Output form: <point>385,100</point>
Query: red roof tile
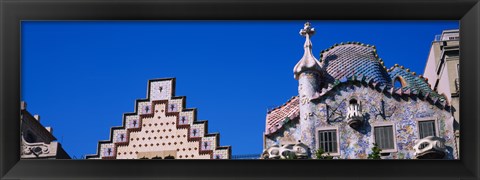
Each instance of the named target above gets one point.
<point>276,116</point>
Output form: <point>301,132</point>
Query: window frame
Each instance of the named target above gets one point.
<point>317,138</point>
<point>394,134</point>
<point>435,120</point>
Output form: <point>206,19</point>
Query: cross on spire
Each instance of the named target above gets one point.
<point>307,30</point>
<point>308,61</point>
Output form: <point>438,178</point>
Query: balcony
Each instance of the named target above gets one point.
<point>430,147</point>
<point>354,116</point>
<point>287,151</point>
<point>38,150</point>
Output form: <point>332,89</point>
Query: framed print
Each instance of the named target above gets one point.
<point>374,85</point>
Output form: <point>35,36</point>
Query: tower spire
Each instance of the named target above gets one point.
<point>307,32</point>
<point>308,61</point>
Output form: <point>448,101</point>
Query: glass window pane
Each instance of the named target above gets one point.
<point>384,137</point>
<point>328,140</point>
<point>426,128</point>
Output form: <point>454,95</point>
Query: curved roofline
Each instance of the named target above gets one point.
<point>347,43</point>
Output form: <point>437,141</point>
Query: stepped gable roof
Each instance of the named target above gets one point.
<point>353,59</point>
<point>413,84</point>
<point>278,116</point>
<point>163,94</point>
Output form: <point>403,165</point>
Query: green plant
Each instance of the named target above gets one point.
<point>375,152</point>
<point>320,153</point>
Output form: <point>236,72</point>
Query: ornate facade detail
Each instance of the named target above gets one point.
<point>354,114</point>
<point>348,127</point>
<point>162,127</point>
<point>37,141</point>
<point>287,151</point>
<point>308,61</point>
<point>430,147</point>
<point>38,149</point>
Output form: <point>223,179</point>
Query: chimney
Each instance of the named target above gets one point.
<point>37,117</point>
<point>23,105</point>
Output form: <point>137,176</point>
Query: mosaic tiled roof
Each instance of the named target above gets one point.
<point>353,58</point>
<point>278,116</point>
<point>357,62</point>
<point>414,84</point>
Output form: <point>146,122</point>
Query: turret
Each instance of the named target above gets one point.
<point>308,72</point>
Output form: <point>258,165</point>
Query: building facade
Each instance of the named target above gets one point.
<point>348,101</point>
<point>162,128</point>
<point>443,71</point>
<point>37,141</point>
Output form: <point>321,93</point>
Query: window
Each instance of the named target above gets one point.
<point>399,82</point>
<point>426,128</point>
<point>327,140</point>
<point>384,137</point>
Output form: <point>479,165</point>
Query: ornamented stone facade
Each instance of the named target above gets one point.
<point>162,128</point>
<point>37,141</point>
<point>348,100</point>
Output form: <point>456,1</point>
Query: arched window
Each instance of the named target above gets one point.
<point>399,82</point>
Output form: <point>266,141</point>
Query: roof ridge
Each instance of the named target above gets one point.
<point>347,43</point>
<point>277,107</point>
<point>392,90</point>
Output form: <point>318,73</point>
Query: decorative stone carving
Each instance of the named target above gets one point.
<point>301,150</point>
<point>38,149</point>
<point>286,151</point>
<point>308,61</point>
<point>430,147</point>
<point>354,114</point>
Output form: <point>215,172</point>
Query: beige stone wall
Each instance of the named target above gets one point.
<point>431,66</point>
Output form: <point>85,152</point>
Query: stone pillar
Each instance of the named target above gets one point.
<point>308,85</point>
<point>308,71</point>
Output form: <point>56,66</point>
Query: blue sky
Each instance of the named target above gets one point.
<point>81,76</point>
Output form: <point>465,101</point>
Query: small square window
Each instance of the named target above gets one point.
<point>426,128</point>
<point>327,140</point>
<point>384,137</point>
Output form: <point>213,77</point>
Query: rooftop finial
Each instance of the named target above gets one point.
<point>307,31</point>
<point>308,61</point>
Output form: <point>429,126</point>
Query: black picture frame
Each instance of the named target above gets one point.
<point>14,11</point>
